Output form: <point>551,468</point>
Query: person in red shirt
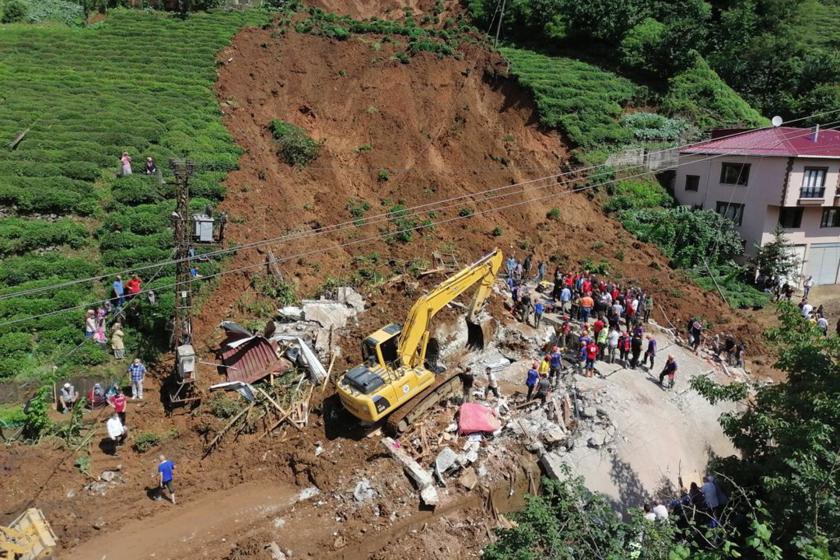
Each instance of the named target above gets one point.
<point>134,286</point>
<point>586,286</point>
<point>597,326</point>
<point>119,402</point>
<point>591,354</point>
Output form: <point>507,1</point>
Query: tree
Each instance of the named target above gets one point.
<point>14,11</point>
<point>777,258</point>
<point>789,438</point>
<point>642,46</point>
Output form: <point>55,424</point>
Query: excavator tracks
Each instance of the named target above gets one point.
<point>446,385</point>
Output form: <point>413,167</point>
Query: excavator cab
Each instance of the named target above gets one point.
<point>380,348</point>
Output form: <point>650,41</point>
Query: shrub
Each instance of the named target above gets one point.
<point>295,146</point>
<point>650,126</point>
<point>497,232</point>
<point>383,175</point>
<point>642,46</point>
<point>466,212</point>
<point>18,235</point>
<point>222,406</point>
<point>14,11</point>
<point>270,286</point>
<point>144,441</point>
<point>403,221</point>
<point>637,194</point>
<point>553,214</point>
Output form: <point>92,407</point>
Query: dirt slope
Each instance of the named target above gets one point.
<point>442,128</point>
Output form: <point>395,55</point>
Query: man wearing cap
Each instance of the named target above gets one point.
<point>67,397</point>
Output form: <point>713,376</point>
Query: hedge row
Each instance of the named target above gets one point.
<point>18,235</point>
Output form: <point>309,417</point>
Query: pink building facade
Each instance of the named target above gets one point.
<point>768,177</point>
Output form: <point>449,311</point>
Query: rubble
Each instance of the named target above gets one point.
<point>423,478</point>
<point>468,479</point>
<point>363,491</point>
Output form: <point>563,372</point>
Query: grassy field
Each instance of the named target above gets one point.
<point>138,82</point>
<point>819,24</point>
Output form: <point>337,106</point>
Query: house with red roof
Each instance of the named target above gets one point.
<point>767,177</point>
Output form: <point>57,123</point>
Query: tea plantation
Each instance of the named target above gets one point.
<point>139,82</point>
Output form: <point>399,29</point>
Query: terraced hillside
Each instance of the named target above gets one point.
<point>139,83</point>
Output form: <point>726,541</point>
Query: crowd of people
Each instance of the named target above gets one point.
<point>698,506</point>
<point>601,320</point>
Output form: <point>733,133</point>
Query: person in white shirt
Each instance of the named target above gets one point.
<point>116,431</point>
<point>807,285</point>
<point>822,324</point>
<point>806,309</point>
<point>67,397</point>
<point>661,512</point>
<point>612,343</point>
<point>649,515</point>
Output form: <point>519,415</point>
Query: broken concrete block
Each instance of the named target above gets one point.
<point>590,412</point>
<point>423,478</point>
<point>351,297</point>
<point>552,464</point>
<point>108,476</point>
<point>535,447</point>
<point>328,314</point>
<point>468,479</point>
<point>274,550</point>
<point>553,436</point>
<point>290,313</point>
<point>445,460</point>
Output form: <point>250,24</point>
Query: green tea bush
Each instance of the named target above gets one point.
<point>17,270</point>
<point>295,146</point>
<point>701,96</point>
<point>19,235</point>
<point>88,354</point>
<point>637,194</point>
<point>581,100</point>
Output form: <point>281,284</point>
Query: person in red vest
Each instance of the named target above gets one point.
<point>133,286</point>
<point>119,402</point>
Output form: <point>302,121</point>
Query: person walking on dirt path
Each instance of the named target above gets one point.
<point>669,371</point>
<point>119,402</point>
<point>807,285</point>
<point>525,304</point>
<point>555,364</point>
<point>531,380</point>
<point>492,383</point>
<point>467,382</point>
<point>539,309</point>
<point>650,353</point>
<point>566,299</point>
<point>116,432</point>
<point>118,342</point>
<point>138,373</point>
<point>125,164</point>
<point>510,266</point>
<point>612,343</point>
<point>526,266</point>
<point>165,476</point>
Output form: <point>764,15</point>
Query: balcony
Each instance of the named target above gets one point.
<point>811,196</point>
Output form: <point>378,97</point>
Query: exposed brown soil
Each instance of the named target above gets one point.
<point>443,128</point>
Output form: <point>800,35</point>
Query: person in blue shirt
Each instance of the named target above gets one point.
<point>165,469</point>
<point>555,365</point>
<point>566,299</point>
<point>119,291</point>
<point>531,380</point>
<point>539,309</point>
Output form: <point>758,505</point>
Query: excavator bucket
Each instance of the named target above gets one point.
<point>29,537</point>
<point>478,333</point>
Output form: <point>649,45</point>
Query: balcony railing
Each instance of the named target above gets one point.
<point>812,192</point>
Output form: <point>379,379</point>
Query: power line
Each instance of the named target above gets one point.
<point>378,218</point>
<point>368,239</point>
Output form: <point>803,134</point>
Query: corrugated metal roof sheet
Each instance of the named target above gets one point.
<point>253,360</point>
<point>783,141</point>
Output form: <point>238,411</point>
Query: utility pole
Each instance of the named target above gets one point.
<point>499,26</point>
<point>181,221</point>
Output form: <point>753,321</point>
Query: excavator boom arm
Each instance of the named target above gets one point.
<point>415,332</point>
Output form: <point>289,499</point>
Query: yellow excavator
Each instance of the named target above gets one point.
<point>29,537</point>
<point>394,378</point>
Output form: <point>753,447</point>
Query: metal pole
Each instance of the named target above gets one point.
<point>499,26</point>
<point>182,327</point>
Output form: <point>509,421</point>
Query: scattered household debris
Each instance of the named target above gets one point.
<point>423,478</point>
